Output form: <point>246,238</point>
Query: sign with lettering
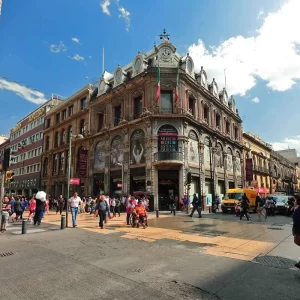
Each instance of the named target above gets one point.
<point>83,159</point>
<point>75,181</point>
<point>167,139</point>
<point>36,114</point>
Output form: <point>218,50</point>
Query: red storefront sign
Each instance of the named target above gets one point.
<point>75,181</point>
<point>83,158</point>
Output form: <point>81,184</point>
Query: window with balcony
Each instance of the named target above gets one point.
<point>83,103</point>
<point>56,139</point>
<point>63,114</point>
<point>63,137</point>
<point>117,115</point>
<point>54,163</point>
<point>100,121</point>
<point>227,127</point>
<point>137,107</point>
<point>192,106</point>
<point>206,114</point>
<point>47,143</point>
<point>218,121</point>
<point>166,102</point>
<point>70,110</point>
<point>57,118</point>
<point>82,127</point>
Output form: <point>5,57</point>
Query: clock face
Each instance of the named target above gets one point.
<point>189,66</point>
<point>102,86</point>
<point>203,79</point>
<point>165,54</point>
<point>138,64</point>
<point>215,90</point>
<point>118,75</point>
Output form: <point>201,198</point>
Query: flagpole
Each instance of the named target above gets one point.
<point>102,60</point>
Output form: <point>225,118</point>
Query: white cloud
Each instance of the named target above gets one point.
<point>289,142</point>
<point>270,55</point>
<point>255,100</point>
<point>104,5</point>
<point>260,13</point>
<point>75,39</point>
<point>25,92</point>
<point>77,57</point>
<point>125,14</point>
<point>90,57</point>
<point>58,48</point>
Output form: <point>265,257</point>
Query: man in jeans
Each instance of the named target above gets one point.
<point>74,203</point>
<point>102,209</point>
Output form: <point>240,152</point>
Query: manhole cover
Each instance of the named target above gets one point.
<point>274,228</point>
<point>275,261</point>
<point>5,254</point>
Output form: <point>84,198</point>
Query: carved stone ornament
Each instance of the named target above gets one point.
<point>165,54</point>
<point>148,164</point>
<point>91,142</point>
<point>145,112</point>
<point>124,130</point>
<point>104,128</point>
<point>123,121</point>
<point>125,166</point>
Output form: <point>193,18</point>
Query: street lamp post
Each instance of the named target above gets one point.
<point>78,136</point>
<point>121,164</point>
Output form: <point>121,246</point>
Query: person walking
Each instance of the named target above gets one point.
<point>296,225</point>
<point>117,206</point>
<point>196,206</point>
<point>18,207</point>
<point>5,213</point>
<point>245,207</point>
<point>102,209</point>
<point>74,203</point>
<point>129,208</point>
<point>39,208</point>
<point>60,204</point>
<point>113,206</point>
<point>31,208</point>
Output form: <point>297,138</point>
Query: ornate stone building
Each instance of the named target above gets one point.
<point>150,140</point>
<point>272,173</point>
<point>70,117</point>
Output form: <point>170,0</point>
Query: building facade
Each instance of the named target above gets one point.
<point>157,122</point>
<point>270,171</point>
<point>71,117</point>
<point>26,146</point>
<point>260,153</point>
<point>4,149</point>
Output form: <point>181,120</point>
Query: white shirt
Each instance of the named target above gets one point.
<point>107,201</point>
<point>75,201</point>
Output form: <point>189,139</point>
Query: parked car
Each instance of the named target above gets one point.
<point>280,201</point>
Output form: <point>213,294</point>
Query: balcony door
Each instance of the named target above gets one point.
<point>166,105</point>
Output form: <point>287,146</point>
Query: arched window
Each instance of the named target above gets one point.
<point>45,166</point>
<point>70,132</point>
<point>63,137</point>
<point>47,143</point>
<point>82,127</point>
<point>56,139</point>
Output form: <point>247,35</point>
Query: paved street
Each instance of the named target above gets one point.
<point>216,257</point>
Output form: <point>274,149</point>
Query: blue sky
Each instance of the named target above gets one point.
<point>51,46</point>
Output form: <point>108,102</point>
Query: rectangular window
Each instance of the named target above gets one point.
<point>137,107</point>
<point>83,103</point>
<point>192,104</point>
<point>35,152</point>
<point>166,102</point>
<point>57,118</point>
<point>48,123</point>
<point>64,114</point>
<point>206,114</point>
<point>34,168</point>
<point>27,169</point>
<point>100,121</point>
<point>31,168</point>
<point>117,115</point>
<point>38,167</point>
<point>71,110</point>
<point>236,133</point>
<point>218,121</point>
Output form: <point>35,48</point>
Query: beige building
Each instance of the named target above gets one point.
<point>70,117</point>
<point>260,152</point>
<point>3,138</point>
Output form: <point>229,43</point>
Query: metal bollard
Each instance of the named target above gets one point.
<point>174,211</point>
<point>157,213</point>
<point>62,222</point>
<point>24,226</point>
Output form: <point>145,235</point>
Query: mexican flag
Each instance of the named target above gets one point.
<point>158,84</point>
<point>177,84</point>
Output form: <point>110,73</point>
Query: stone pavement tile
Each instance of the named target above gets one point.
<point>286,249</point>
<point>256,248</point>
<point>262,283</point>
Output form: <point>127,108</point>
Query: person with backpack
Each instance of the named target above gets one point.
<point>245,207</point>
<point>196,206</point>
<point>102,210</point>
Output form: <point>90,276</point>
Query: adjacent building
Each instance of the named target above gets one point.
<point>26,146</point>
<point>268,171</point>
<point>160,127</point>
<point>71,117</point>
<point>4,154</point>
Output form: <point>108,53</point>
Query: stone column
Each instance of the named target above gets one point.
<point>126,162</point>
<point>225,171</point>
<point>234,171</point>
<point>202,174</point>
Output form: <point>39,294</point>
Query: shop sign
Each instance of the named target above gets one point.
<point>83,158</point>
<point>119,185</point>
<point>167,139</point>
<point>75,181</point>
<point>36,114</point>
